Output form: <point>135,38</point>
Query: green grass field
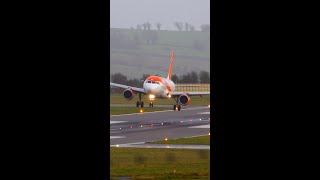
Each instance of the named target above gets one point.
<point>140,163</point>
<point>130,110</point>
<point>195,100</point>
<point>200,140</point>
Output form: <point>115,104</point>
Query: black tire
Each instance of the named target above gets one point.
<point>137,104</point>
<point>142,104</point>
<point>152,104</point>
<point>179,108</point>
<point>174,107</point>
<point>149,104</point>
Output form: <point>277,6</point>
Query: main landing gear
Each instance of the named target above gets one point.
<point>151,104</point>
<point>177,106</point>
<point>140,103</point>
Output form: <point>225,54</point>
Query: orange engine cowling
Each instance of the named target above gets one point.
<point>184,99</point>
<point>128,94</point>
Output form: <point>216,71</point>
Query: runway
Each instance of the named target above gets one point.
<point>152,126</point>
<point>165,146</point>
<point>134,105</point>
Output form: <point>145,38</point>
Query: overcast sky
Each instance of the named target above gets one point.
<point>129,13</point>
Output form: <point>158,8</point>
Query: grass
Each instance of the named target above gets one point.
<point>140,163</point>
<point>130,110</point>
<point>194,100</point>
<point>200,140</point>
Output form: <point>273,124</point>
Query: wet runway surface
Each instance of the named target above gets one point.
<point>153,126</point>
<point>134,105</point>
<point>165,146</point>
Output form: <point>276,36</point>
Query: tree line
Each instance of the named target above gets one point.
<point>191,77</point>
<point>179,25</point>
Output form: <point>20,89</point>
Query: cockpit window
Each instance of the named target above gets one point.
<point>149,82</point>
<point>158,83</point>
<point>153,82</point>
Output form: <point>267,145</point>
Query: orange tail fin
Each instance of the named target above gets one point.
<point>170,68</point>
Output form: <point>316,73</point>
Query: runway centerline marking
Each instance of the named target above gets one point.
<point>115,122</point>
<point>201,126</point>
<point>116,137</point>
<point>158,111</point>
<point>204,113</point>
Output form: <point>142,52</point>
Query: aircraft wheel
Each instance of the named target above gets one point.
<point>179,108</point>
<point>137,104</point>
<point>142,104</point>
<point>174,107</point>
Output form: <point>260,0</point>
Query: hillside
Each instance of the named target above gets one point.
<point>134,52</point>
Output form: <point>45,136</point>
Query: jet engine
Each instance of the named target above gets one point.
<point>128,94</point>
<point>184,99</point>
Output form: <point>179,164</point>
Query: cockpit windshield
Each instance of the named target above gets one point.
<point>152,82</point>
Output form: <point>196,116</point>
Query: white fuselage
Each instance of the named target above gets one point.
<point>158,86</point>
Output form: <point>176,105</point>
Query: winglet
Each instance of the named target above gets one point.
<point>170,68</point>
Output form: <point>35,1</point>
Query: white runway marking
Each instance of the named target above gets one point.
<point>201,126</point>
<point>159,111</point>
<point>204,113</point>
<point>114,122</point>
<point>115,137</point>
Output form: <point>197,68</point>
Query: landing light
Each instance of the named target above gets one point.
<point>166,139</point>
<point>209,134</point>
<point>141,111</point>
<point>151,96</point>
<point>209,105</point>
<point>169,96</point>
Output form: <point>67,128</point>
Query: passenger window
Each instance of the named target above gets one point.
<point>149,81</point>
<point>153,82</point>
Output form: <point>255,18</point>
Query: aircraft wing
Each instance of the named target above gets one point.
<point>127,87</point>
<point>190,93</point>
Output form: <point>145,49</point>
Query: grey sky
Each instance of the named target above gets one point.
<point>129,13</point>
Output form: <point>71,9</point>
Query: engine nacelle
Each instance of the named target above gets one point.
<point>184,99</point>
<point>128,94</point>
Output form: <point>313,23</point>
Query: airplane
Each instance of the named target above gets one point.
<point>159,87</point>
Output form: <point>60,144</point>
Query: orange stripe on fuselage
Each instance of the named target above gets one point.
<point>159,79</point>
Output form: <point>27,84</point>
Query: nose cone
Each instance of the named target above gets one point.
<point>151,88</point>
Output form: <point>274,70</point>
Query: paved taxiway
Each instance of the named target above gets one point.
<point>153,126</point>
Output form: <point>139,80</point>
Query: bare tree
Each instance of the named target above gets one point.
<point>148,25</point>
<point>192,28</point>
<point>205,27</point>
<point>204,77</point>
<point>175,78</point>
<point>119,78</point>
<point>178,25</point>
<point>144,26</point>
<point>158,26</point>
<point>187,26</point>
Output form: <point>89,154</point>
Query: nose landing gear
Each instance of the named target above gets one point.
<point>151,104</point>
